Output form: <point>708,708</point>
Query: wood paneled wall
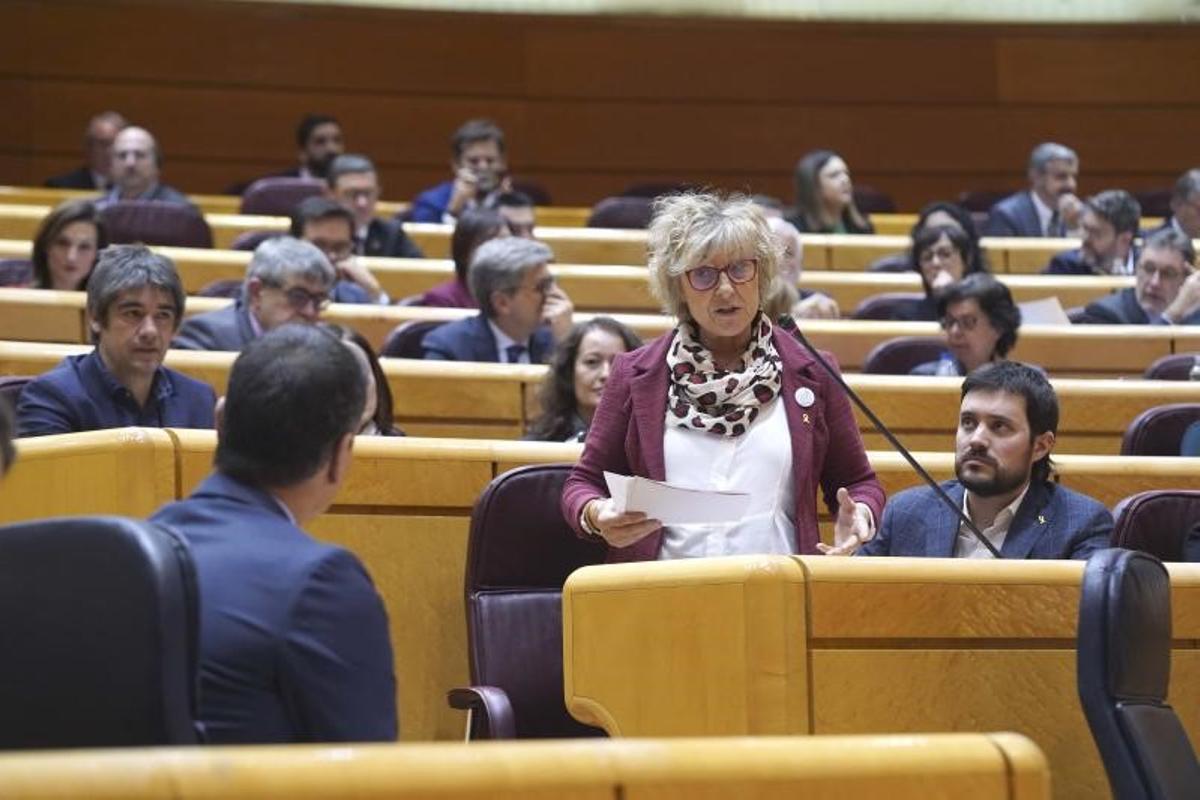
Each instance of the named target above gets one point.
<point>592,104</point>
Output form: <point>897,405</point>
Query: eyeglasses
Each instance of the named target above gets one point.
<point>705,277</point>
<point>300,299</point>
<point>940,253</point>
<point>966,322</point>
<point>542,287</point>
<point>1165,274</point>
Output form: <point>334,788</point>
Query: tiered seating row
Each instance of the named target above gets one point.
<point>405,511</point>
<point>498,401</point>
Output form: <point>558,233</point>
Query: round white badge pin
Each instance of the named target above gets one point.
<point>805,397</point>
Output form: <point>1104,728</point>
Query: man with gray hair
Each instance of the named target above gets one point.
<point>134,301</point>
<point>1049,207</point>
<point>1185,205</point>
<point>522,311</point>
<point>354,183</point>
<point>1110,222</point>
<point>288,280</point>
<point>1166,289</point>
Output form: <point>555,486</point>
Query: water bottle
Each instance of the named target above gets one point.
<point>1194,375</point>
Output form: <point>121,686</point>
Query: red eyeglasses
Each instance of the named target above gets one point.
<point>704,278</point>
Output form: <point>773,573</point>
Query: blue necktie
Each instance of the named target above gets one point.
<point>514,353</point>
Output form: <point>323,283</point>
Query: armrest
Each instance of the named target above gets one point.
<point>491,713</point>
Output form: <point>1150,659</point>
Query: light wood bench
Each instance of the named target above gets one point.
<point>985,766</point>
<point>1069,351</point>
<point>812,645</point>
<point>613,288</point>
<point>499,401</point>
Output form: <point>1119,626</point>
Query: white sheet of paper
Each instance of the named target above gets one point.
<point>1045,311</point>
<point>675,505</point>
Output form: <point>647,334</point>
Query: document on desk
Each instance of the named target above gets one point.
<point>675,505</point>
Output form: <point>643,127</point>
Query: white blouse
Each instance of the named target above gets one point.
<point>758,462</point>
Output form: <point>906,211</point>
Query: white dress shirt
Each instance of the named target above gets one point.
<point>758,462</point>
<point>967,546</point>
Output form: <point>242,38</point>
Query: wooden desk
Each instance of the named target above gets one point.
<point>812,645</point>
<point>980,766</point>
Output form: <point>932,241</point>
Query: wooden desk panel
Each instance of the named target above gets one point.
<point>801,646</point>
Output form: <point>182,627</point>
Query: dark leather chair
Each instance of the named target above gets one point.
<point>16,272</point>
<point>889,305</point>
<point>156,222</point>
<point>405,339</point>
<point>98,630</point>
<point>279,195</point>
<point>536,192</point>
<point>250,240</point>
<point>225,287</point>
<point>519,554</point>
<point>1155,202</point>
<point>10,388</point>
<point>1123,664</point>
<point>982,200</point>
<point>621,212</point>
<point>896,262</point>
<point>1159,522</point>
<point>1176,367</point>
<point>898,356</point>
<point>870,200</point>
<point>1159,431</point>
<point>652,189</point>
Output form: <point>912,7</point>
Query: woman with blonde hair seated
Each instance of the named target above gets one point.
<point>725,402</point>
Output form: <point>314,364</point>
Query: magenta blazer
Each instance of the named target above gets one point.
<point>626,436</point>
<point>449,294</point>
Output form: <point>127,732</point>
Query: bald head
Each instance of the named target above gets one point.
<point>791,263</point>
<point>135,162</point>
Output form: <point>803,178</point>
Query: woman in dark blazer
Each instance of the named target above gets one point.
<point>725,401</point>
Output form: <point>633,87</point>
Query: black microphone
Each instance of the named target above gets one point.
<point>788,324</point>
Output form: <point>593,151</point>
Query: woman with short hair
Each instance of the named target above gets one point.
<point>724,402</point>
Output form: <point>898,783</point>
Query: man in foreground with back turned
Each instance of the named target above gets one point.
<point>1006,432</point>
<point>294,643</point>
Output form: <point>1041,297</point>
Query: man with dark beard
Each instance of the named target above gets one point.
<point>1006,430</point>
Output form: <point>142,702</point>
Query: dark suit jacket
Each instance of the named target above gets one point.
<point>628,428</point>
<point>294,643</point>
<point>1051,522</point>
<point>471,339</point>
<point>226,328</point>
<point>159,191</point>
<point>1071,262</point>
<point>1015,215</point>
<point>80,178</point>
<point>387,238</point>
<point>431,204</point>
<point>80,394</point>
<point>1121,308</point>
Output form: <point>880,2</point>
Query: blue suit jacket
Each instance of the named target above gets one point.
<point>1015,215</point>
<point>430,205</point>
<point>80,394</point>
<point>1122,308</point>
<point>226,328</point>
<point>471,339</point>
<point>1070,262</point>
<point>294,642</point>
<point>1051,522</point>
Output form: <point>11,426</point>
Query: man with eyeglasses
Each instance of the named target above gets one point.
<point>287,281</point>
<point>354,183</point>
<point>327,224</point>
<point>522,311</point>
<point>96,171</point>
<point>1166,289</point>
